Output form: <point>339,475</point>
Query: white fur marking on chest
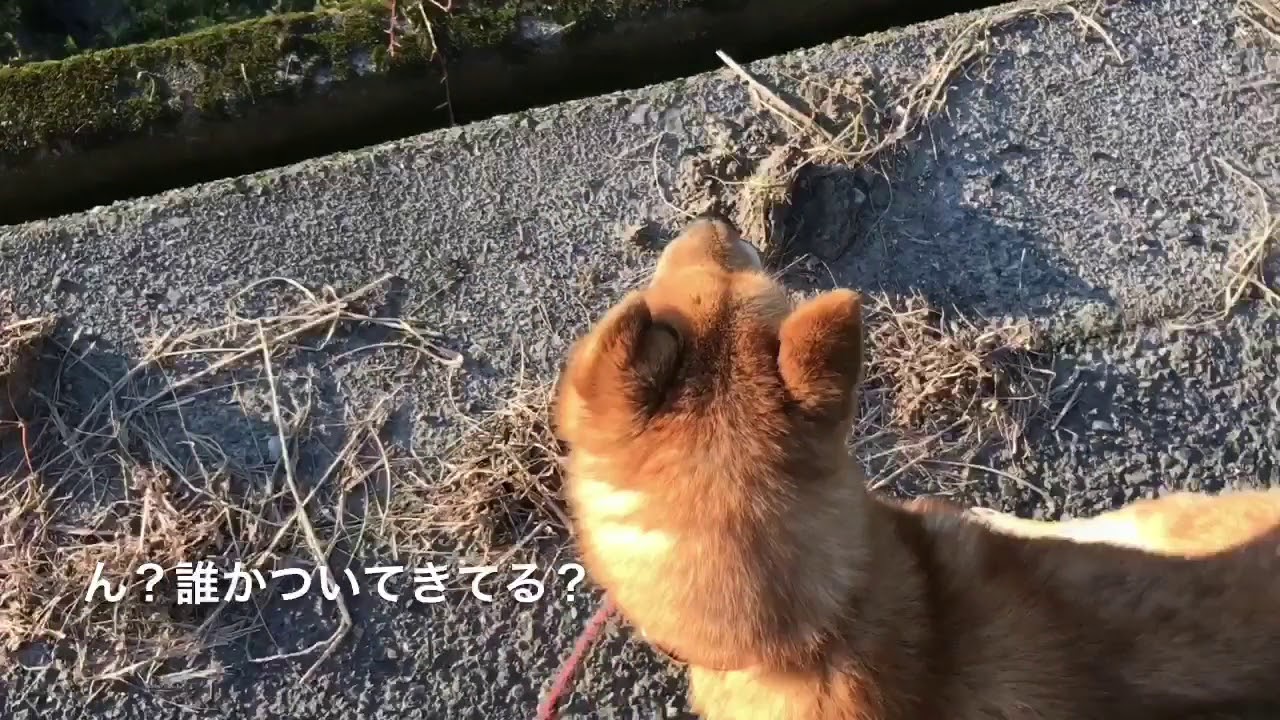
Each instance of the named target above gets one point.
<point>631,540</point>
<point>606,509</point>
<point>603,500</point>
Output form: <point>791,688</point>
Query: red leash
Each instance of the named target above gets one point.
<point>561,686</point>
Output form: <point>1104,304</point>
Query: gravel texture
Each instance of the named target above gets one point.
<point>1059,184</point>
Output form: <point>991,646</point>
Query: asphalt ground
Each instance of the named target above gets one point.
<point>1075,181</point>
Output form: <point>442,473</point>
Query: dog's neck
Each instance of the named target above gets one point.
<point>715,588</point>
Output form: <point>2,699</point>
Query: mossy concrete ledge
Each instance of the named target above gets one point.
<point>133,120</point>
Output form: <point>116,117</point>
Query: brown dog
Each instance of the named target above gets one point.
<point>715,501</point>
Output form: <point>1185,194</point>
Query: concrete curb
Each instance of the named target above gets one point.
<point>110,124</point>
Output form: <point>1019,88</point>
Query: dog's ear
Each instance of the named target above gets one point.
<point>820,354</point>
<point>621,371</point>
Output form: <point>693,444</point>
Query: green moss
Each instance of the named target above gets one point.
<point>469,23</point>
<point>145,20</point>
<point>34,30</point>
<point>95,97</point>
<point>99,95</point>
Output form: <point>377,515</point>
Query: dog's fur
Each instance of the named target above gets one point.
<point>1188,525</point>
<point>715,501</point>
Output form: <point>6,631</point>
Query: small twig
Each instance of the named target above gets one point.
<point>186,676</point>
<point>26,448</point>
<point>248,84</point>
<point>983,468</point>
<point>510,553</point>
<point>1071,401</point>
<point>293,653</point>
<point>801,121</point>
<point>445,8</point>
<point>1090,23</point>
<point>304,520</point>
<point>881,482</point>
<point>1251,269</point>
<point>391,31</point>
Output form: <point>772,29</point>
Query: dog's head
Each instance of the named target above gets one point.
<point>713,341</point>
<point>708,475</point>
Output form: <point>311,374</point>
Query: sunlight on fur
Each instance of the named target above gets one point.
<point>714,499</point>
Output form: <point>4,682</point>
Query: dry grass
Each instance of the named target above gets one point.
<point>846,127</point>
<point>49,549</point>
<point>496,489</point>
<point>1263,15</point>
<point>868,131</point>
<point>1247,263</point>
<point>47,560</point>
<point>764,200</point>
<point>940,390</point>
<point>854,130</point>
<point>21,341</point>
<point>1246,276</point>
<point>125,481</point>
